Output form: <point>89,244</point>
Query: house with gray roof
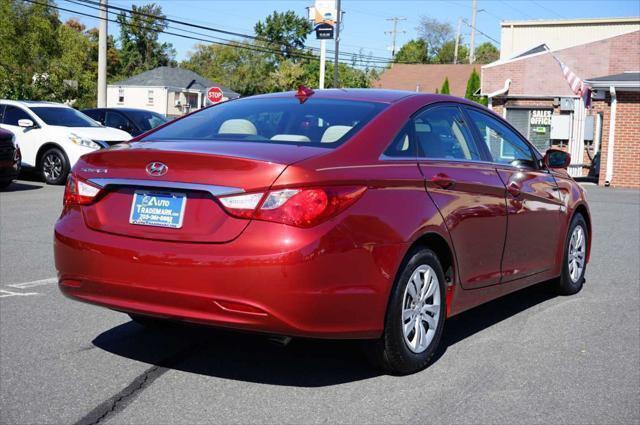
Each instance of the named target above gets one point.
<point>166,90</point>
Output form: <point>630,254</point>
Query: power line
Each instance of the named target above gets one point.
<point>547,9</point>
<point>475,28</point>
<point>94,4</point>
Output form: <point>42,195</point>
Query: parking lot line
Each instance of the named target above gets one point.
<point>4,293</point>
<point>34,283</point>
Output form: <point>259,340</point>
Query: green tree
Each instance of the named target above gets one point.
<point>445,86</point>
<point>236,66</point>
<point>446,53</point>
<point>473,85</point>
<point>487,53</point>
<point>413,51</point>
<point>140,49</point>
<point>286,32</point>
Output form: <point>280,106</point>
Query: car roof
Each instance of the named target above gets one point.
<point>32,103</point>
<point>369,95</point>
<point>118,109</point>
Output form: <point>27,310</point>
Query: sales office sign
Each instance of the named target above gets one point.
<point>540,117</point>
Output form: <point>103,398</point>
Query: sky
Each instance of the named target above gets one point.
<point>365,22</point>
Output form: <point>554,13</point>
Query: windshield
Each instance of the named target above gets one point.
<point>64,117</point>
<point>146,120</point>
<point>315,122</point>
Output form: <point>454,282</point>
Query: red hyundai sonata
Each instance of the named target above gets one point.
<point>364,214</point>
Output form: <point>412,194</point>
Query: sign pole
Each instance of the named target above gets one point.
<point>336,75</point>
<point>323,58</point>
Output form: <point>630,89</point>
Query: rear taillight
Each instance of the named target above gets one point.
<point>79,192</point>
<point>304,207</point>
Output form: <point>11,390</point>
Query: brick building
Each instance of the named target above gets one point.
<point>531,92</point>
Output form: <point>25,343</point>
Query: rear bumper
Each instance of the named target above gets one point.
<point>273,278</point>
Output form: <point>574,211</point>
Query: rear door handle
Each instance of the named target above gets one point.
<point>443,180</point>
<point>514,189</point>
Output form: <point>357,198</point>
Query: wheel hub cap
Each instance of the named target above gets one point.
<point>421,309</point>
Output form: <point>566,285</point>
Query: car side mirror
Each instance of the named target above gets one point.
<point>25,123</point>
<point>555,158</point>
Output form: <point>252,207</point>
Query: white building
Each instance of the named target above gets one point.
<point>166,90</point>
<point>517,37</point>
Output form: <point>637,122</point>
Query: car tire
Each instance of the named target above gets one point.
<point>395,352</point>
<point>148,321</point>
<point>54,167</point>
<point>574,263</point>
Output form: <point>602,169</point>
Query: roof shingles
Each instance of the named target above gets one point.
<point>166,76</point>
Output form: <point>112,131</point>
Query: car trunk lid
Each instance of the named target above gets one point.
<point>199,172</point>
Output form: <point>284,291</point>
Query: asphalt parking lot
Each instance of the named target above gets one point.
<point>528,358</point>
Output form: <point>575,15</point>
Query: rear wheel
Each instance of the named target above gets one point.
<point>415,317</point>
<point>575,258</point>
<point>54,166</point>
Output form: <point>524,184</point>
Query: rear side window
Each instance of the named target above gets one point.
<point>505,145</point>
<point>13,114</point>
<point>315,122</point>
<point>441,133</point>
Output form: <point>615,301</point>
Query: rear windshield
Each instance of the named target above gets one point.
<point>65,117</point>
<point>316,122</point>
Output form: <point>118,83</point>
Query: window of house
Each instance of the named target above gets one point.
<point>120,95</point>
<point>150,97</point>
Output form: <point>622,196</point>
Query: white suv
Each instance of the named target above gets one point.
<point>53,136</point>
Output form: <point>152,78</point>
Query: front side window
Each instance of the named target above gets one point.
<point>505,146</point>
<point>13,114</point>
<point>146,120</point>
<point>63,117</point>
<point>441,133</point>
<point>315,122</point>
<point>116,120</point>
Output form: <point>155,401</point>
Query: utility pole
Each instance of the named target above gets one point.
<point>472,39</point>
<point>336,76</point>
<point>455,52</point>
<point>393,33</point>
<point>323,58</point>
<point>102,56</point>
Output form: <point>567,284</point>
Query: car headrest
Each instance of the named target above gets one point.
<point>334,133</point>
<point>290,138</point>
<point>238,126</point>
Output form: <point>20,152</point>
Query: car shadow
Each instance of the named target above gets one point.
<point>302,363</point>
<point>21,186</point>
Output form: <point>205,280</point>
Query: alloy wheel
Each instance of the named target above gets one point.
<point>577,251</point>
<point>421,308</point>
<point>52,166</point>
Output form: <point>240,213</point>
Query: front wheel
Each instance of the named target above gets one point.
<point>54,166</point>
<point>415,317</point>
<point>574,264</point>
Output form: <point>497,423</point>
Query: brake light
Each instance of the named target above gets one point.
<point>79,192</point>
<point>305,207</point>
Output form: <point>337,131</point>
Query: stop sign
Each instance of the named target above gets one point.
<point>214,94</point>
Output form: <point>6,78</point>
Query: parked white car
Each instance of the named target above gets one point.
<point>53,136</point>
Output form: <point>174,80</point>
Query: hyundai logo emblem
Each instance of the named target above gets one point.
<point>157,169</point>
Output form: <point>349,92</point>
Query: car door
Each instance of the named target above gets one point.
<point>29,139</point>
<point>466,189</point>
<point>119,121</point>
<point>533,199</point>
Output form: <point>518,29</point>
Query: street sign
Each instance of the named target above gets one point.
<point>324,31</point>
<point>214,94</point>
